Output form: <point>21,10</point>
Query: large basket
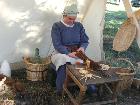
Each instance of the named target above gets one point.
<point>126,74</point>
<point>36,72</point>
<point>124,36</point>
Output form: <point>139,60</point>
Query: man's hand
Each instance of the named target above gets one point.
<point>81,49</point>
<point>72,55</point>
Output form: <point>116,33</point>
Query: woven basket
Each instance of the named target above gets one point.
<point>126,74</point>
<point>36,72</point>
<point>124,36</point>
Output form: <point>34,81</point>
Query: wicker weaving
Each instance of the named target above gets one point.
<point>124,36</point>
<point>126,74</point>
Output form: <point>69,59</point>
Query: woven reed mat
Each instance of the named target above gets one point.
<point>124,36</point>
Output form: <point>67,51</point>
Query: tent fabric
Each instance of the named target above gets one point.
<point>26,25</point>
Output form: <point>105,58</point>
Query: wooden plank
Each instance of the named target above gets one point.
<point>82,87</point>
<point>101,80</point>
<point>130,12</point>
<point>128,8</point>
<point>108,88</point>
<point>70,96</point>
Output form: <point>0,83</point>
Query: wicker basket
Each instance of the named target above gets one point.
<point>124,36</point>
<point>36,72</point>
<point>126,74</point>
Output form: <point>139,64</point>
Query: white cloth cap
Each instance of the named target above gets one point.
<point>71,10</point>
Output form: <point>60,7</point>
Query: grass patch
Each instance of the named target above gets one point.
<point>113,20</point>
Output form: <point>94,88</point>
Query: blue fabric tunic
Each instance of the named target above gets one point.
<point>63,36</point>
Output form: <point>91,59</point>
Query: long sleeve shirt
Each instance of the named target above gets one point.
<point>63,36</point>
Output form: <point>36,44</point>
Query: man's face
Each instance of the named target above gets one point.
<point>69,19</point>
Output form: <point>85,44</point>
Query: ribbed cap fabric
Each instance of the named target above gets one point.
<point>71,10</point>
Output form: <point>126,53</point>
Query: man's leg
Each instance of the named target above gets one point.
<point>61,75</point>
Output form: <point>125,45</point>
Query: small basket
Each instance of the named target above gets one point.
<point>36,72</point>
<point>126,74</point>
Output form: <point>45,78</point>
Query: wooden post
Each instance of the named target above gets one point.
<point>130,14</point>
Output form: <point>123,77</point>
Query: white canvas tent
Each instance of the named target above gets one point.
<point>26,24</point>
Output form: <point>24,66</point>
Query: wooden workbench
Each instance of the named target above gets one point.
<point>73,74</point>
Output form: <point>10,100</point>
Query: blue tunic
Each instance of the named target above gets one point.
<point>63,36</point>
